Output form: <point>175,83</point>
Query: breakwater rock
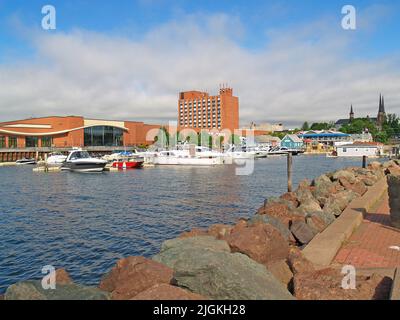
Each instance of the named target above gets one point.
<point>256,258</point>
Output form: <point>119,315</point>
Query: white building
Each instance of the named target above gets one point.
<point>359,150</point>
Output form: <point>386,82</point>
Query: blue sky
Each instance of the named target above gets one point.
<point>252,29</point>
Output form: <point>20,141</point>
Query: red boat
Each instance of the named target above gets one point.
<point>129,164</point>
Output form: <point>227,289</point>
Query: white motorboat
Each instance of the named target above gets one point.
<point>174,157</point>
<point>56,158</point>
<point>81,161</point>
<point>25,161</point>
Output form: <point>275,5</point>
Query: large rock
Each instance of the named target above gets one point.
<point>133,275</point>
<point>32,290</point>
<point>261,242</point>
<point>394,199</point>
<point>316,223</point>
<point>177,249</point>
<point>276,223</point>
<point>167,292</point>
<point>281,271</point>
<point>358,186</point>
<point>327,285</point>
<point>225,276</point>
<point>336,203</point>
<point>322,186</point>
<point>302,232</point>
<point>281,212</point>
<point>347,174</point>
<point>298,263</point>
<point>290,198</point>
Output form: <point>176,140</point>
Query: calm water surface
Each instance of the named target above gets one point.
<point>85,222</point>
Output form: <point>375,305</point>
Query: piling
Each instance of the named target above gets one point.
<point>364,162</point>
<point>289,171</point>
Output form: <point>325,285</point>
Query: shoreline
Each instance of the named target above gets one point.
<point>271,243</point>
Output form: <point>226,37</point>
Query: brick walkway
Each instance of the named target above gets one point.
<point>369,246</point>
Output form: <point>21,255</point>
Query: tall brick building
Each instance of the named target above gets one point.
<point>198,110</point>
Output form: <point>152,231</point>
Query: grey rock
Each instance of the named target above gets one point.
<point>302,232</point>
<point>336,203</point>
<point>176,249</point>
<point>347,174</point>
<point>226,276</point>
<point>32,290</point>
<point>394,199</point>
<point>327,217</point>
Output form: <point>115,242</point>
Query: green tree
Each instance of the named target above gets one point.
<point>305,126</point>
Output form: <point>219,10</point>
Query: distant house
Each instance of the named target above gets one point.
<point>292,141</point>
<point>359,149</point>
<point>326,137</point>
<point>267,140</point>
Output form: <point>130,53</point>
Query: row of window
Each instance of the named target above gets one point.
<point>30,142</point>
<point>199,101</point>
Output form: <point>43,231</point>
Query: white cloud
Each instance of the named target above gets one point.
<point>307,73</point>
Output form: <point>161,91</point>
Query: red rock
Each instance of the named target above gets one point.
<point>62,277</point>
<point>282,213</point>
<point>133,275</point>
<point>281,271</point>
<point>327,285</point>
<point>358,187</point>
<point>291,197</point>
<point>240,224</point>
<point>220,231</point>
<point>298,263</point>
<point>193,233</point>
<point>261,242</point>
<point>167,292</point>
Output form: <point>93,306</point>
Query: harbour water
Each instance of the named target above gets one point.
<point>85,222</point>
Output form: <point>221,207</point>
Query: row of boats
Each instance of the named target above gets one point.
<point>81,161</point>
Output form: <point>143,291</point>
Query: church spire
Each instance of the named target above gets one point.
<point>351,113</point>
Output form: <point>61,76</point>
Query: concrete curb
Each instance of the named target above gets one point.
<point>325,245</point>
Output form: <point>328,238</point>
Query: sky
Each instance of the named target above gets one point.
<point>288,61</point>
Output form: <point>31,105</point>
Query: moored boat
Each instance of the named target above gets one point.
<point>81,161</point>
<point>25,161</point>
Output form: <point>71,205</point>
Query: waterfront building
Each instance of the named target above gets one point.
<point>267,140</point>
<point>359,149</point>
<point>72,131</point>
<point>199,111</point>
<point>292,141</point>
<point>325,137</point>
<point>379,120</point>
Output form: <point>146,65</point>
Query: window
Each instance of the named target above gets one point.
<point>103,136</point>
<point>12,142</point>
<point>31,142</point>
<point>2,142</point>
<point>46,142</point>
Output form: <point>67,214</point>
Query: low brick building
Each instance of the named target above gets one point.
<point>73,131</point>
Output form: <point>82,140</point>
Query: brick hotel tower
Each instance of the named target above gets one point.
<point>198,110</point>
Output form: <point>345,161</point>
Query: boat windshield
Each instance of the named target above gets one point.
<point>80,155</point>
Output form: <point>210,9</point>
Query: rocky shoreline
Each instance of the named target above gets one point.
<point>257,258</point>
